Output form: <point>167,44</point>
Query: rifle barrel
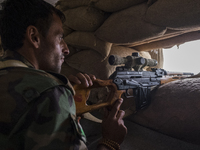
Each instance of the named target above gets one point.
<point>178,73</point>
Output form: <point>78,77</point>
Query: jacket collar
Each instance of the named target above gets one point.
<point>13,55</point>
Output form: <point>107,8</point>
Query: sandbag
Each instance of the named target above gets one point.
<point>127,26</point>
<point>157,54</point>
<point>174,110</point>
<point>88,61</point>
<point>177,14</point>
<point>115,5</point>
<point>67,30</point>
<point>67,70</point>
<point>68,4</point>
<point>87,40</point>
<point>150,2</point>
<point>84,18</point>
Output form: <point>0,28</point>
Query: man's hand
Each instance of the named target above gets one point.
<point>113,127</point>
<point>84,79</point>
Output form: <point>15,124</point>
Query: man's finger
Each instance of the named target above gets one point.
<point>92,77</point>
<point>115,108</point>
<point>82,79</point>
<point>120,114</point>
<point>89,80</point>
<point>74,79</point>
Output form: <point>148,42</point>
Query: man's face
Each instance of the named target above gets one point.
<point>53,48</point>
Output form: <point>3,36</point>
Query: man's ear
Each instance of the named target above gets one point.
<point>33,36</point>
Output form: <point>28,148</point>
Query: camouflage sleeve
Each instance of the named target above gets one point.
<point>50,123</point>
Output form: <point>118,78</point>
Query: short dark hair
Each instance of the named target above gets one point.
<point>17,15</point>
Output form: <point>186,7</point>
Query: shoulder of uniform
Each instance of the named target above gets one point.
<point>38,74</point>
<point>34,82</point>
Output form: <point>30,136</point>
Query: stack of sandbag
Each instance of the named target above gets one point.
<point>177,15</point>
<point>96,29</point>
<point>128,26</point>
<point>181,17</point>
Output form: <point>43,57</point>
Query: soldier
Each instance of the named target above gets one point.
<point>37,110</point>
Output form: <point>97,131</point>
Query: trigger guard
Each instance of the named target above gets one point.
<point>127,95</point>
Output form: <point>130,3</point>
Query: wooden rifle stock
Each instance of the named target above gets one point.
<point>82,95</point>
<point>167,79</point>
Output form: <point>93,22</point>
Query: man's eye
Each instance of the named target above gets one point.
<point>61,37</point>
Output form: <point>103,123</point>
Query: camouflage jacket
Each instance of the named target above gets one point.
<point>37,110</point>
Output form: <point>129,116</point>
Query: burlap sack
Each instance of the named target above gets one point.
<point>67,30</point>
<point>128,26</point>
<point>87,40</point>
<point>88,61</point>
<point>150,2</point>
<point>177,14</point>
<point>68,4</point>
<point>157,54</point>
<point>84,18</point>
<point>67,70</point>
<point>177,107</point>
<point>115,5</point>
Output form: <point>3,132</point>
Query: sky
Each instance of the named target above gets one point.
<point>186,58</point>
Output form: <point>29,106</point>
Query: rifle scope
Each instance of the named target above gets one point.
<point>131,61</point>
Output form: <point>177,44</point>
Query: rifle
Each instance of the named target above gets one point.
<point>129,76</point>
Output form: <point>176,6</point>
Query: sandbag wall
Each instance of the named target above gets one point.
<point>96,29</point>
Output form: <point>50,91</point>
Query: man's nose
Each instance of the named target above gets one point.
<point>65,49</point>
